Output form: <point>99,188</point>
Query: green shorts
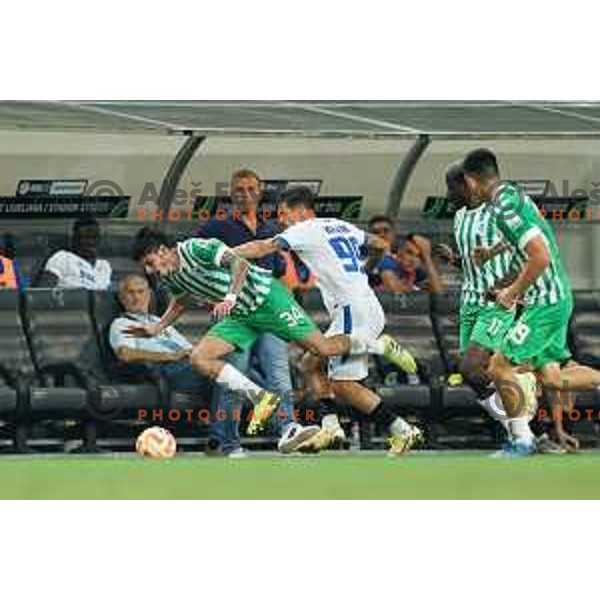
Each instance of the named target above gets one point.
<point>539,336</point>
<point>279,314</point>
<point>484,326</point>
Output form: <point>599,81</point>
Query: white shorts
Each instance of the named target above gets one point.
<point>363,316</point>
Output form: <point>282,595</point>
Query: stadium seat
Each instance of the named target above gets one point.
<point>65,349</point>
<point>444,311</point>
<point>585,340</point>
<point>585,328</point>
<point>124,391</point>
<point>16,368</point>
<point>55,322</point>
<point>408,319</point>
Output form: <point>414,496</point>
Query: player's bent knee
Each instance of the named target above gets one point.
<point>553,380</point>
<point>342,387</point>
<point>474,368</point>
<point>200,361</point>
<point>310,363</point>
<point>497,366</point>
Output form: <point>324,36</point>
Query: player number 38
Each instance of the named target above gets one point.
<point>292,316</point>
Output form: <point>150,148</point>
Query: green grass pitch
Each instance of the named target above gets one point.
<point>331,476</point>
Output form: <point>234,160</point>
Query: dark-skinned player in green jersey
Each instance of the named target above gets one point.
<point>538,337</point>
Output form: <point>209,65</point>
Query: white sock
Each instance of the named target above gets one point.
<point>237,382</point>
<point>375,346</point>
<point>330,422</point>
<point>520,431</point>
<point>399,426</point>
<point>493,407</point>
<point>361,345</point>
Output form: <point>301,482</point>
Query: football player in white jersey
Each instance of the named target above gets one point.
<point>334,251</point>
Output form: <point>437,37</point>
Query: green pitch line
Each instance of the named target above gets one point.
<point>443,476</point>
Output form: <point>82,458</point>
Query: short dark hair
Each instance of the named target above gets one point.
<point>380,219</point>
<point>147,240</point>
<point>297,196</point>
<point>87,221</point>
<point>455,180</point>
<point>481,162</point>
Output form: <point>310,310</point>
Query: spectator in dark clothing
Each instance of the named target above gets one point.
<point>240,230</point>
<point>382,226</point>
<point>405,266</point>
<point>243,224</point>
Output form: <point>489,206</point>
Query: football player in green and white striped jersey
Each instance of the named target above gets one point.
<point>486,265</point>
<point>247,301</point>
<point>538,337</point>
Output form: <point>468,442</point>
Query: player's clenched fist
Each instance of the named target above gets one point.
<point>223,309</point>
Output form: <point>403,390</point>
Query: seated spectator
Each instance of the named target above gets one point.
<point>383,227</point>
<point>168,353</point>
<point>10,271</point>
<point>411,267</point>
<point>79,267</point>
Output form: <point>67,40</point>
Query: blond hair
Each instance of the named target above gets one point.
<point>245,173</point>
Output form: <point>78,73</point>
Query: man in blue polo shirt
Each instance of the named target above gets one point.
<point>244,224</point>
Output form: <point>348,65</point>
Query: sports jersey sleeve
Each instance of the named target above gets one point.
<point>297,238</point>
<point>517,219</point>
<point>205,251</point>
<point>175,290</point>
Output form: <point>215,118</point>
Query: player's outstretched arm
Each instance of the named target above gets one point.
<point>538,259</point>
<point>257,249</point>
<point>239,268</point>
<point>176,308</point>
<point>136,355</point>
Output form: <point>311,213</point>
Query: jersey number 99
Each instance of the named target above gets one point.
<point>348,251</point>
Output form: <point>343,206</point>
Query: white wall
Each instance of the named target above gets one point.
<point>349,167</point>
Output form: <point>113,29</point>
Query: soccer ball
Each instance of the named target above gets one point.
<point>156,442</point>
